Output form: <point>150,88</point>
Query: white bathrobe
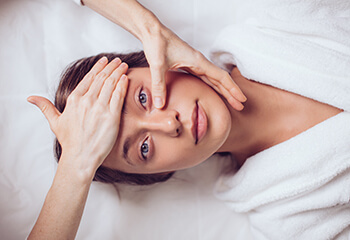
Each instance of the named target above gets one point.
<point>298,189</point>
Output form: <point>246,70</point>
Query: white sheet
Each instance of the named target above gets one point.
<point>38,39</point>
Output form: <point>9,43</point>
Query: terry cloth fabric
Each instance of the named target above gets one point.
<point>304,49</point>
<point>298,189</point>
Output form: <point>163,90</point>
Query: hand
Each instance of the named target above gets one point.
<point>89,125</point>
<point>166,51</point>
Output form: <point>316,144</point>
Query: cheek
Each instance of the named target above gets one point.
<point>176,154</point>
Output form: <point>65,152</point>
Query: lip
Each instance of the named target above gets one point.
<point>199,123</point>
<point>194,122</point>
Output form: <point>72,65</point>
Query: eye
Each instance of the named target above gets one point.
<point>145,149</point>
<point>143,98</point>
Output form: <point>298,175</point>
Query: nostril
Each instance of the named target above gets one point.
<point>177,130</point>
<point>177,117</point>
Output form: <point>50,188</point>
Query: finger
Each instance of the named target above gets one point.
<point>235,103</point>
<point>118,96</point>
<point>47,108</point>
<point>85,83</point>
<point>235,91</point>
<point>227,82</point>
<point>221,77</point>
<point>158,86</point>
<point>231,100</point>
<point>97,83</point>
<point>111,82</point>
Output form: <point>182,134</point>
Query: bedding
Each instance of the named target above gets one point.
<point>39,39</point>
<point>300,188</point>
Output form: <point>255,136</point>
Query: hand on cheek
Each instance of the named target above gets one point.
<point>166,51</point>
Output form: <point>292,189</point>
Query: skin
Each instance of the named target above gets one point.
<point>271,116</point>
<point>168,130</point>
<point>90,133</point>
<point>87,130</point>
<point>166,51</point>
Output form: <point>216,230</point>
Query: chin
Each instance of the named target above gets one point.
<point>221,136</point>
<point>220,127</point>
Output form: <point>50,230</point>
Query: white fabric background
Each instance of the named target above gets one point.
<point>38,39</point>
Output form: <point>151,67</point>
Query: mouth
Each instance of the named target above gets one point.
<point>199,123</point>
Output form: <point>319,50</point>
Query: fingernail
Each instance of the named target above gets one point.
<point>241,107</point>
<point>123,77</point>
<point>103,60</point>
<point>116,60</point>
<point>238,95</point>
<point>123,65</point>
<point>30,100</point>
<point>158,102</point>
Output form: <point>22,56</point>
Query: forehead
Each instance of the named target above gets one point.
<point>139,75</point>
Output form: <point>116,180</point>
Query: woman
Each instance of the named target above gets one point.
<point>197,116</point>
<point>270,118</point>
<point>165,50</point>
<point>150,143</point>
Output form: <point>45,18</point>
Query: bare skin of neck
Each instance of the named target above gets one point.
<point>270,116</point>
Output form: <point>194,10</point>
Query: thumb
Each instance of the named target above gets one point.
<point>158,86</point>
<point>47,108</point>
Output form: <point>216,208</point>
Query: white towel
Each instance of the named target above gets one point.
<point>298,46</point>
<point>298,189</point>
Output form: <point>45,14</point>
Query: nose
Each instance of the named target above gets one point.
<point>166,122</point>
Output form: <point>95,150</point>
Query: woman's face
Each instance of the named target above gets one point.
<point>192,126</point>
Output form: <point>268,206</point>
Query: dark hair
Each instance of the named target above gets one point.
<point>70,78</point>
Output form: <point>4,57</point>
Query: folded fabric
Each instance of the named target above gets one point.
<point>306,53</point>
<point>79,2</point>
<point>298,189</point>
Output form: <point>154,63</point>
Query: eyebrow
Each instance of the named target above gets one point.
<point>127,141</point>
<point>124,110</point>
<point>126,147</point>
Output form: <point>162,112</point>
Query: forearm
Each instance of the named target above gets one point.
<point>129,14</point>
<point>64,204</point>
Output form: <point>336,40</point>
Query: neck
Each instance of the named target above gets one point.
<point>258,125</point>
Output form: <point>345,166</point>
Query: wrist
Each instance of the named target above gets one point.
<point>149,28</point>
<point>77,168</point>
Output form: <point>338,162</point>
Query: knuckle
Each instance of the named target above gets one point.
<point>158,65</point>
<point>118,96</point>
<point>86,101</point>
<point>72,98</point>
<point>90,75</point>
<point>158,87</point>
<point>110,80</point>
<point>44,109</point>
<point>99,107</point>
<point>225,77</point>
<point>198,56</point>
<point>120,91</point>
<point>215,82</point>
<point>102,75</point>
